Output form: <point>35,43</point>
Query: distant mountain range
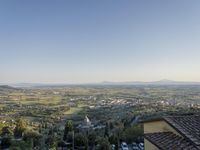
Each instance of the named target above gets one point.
<point>21,85</point>
<point>7,88</point>
<point>160,82</point>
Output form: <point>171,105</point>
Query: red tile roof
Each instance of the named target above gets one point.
<point>169,141</point>
<point>188,126</point>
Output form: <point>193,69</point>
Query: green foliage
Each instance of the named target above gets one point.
<point>33,137</point>
<point>5,142</point>
<point>92,138</point>
<point>19,128</point>
<point>132,133</point>
<point>103,144</point>
<point>68,128</point>
<point>113,139</point>
<point>20,145</point>
<point>69,137</point>
<point>81,140</point>
<point>61,143</point>
<point>106,133</point>
<point>50,141</point>
<point>6,131</point>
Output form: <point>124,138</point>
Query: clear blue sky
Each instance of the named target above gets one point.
<point>78,41</point>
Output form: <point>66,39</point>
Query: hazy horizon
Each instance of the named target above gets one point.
<point>94,41</point>
<point>134,82</point>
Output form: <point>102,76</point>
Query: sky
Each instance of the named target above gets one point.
<point>84,41</point>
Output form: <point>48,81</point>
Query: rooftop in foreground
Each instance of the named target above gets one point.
<point>173,132</point>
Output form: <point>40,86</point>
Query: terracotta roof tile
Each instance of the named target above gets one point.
<point>188,126</point>
<point>169,141</point>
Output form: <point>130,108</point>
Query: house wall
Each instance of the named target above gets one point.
<point>157,126</point>
<point>149,146</point>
